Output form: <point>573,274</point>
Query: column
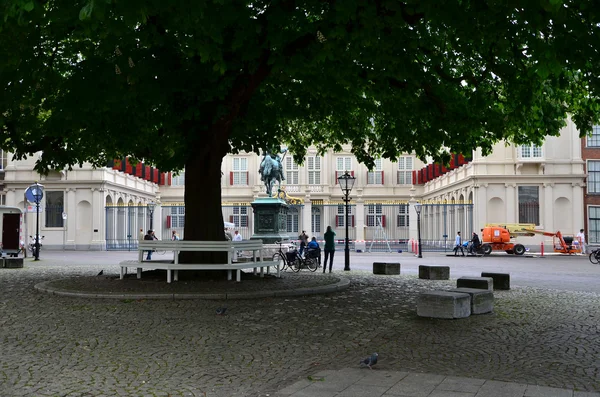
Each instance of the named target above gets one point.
<point>98,220</point>
<point>70,224</point>
<point>547,203</point>
<point>578,204</point>
<point>306,219</point>
<point>359,223</point>
<point>511,200</point>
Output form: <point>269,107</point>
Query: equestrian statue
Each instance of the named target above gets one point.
<point>271,169</point>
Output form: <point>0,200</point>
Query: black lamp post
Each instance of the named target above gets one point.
<point>37,192</point>
<point>418,210</point>
<point>151,206</point>
<point>346,182</point>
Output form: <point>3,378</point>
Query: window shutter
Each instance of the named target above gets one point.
<point>231,177</point>
<point>231,218</point>
<point>382,177</point>
<point>352,173</point>
<point>247,180</point>
<point>168,222</point>
<point>170,178</point>
<point>382,220</point>
<point>352,216</point>
<point>337,221</point>
<point>368,181</point>
<point>336,179</point>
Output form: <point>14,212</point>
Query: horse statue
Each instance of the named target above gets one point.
<point>271,170</point>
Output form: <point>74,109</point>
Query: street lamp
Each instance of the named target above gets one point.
<point>418,210</point>
<point>36,192</point>
<point>346,182</point>
<point>151,206</point>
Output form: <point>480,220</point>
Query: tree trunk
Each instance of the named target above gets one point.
<point>203,216</point>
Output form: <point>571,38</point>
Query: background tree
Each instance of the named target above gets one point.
<point>181,83</point>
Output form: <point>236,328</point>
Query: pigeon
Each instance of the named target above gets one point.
<point>369,361</point>
<point>101,273</point>
<point>221,311</point>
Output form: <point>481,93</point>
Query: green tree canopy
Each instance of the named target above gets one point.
<point>181,83</point>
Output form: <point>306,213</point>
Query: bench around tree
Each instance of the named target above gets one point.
<point>254,261</point>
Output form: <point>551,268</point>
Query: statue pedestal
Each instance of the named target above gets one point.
<point>270,220</point>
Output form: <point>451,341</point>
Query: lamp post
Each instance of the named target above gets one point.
<point>151,206</point>
<point>418,210</point>
<point>346,182</point>
<point>36,191</point>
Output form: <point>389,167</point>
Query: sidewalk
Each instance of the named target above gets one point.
<point>378,383</point>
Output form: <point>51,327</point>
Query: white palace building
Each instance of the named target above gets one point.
<point>105,208</point>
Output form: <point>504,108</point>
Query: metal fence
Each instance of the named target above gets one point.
<point>123,225</point>
<point>440,222</point>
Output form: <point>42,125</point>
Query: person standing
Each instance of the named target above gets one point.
<point>141,236</point>
<point>303,237</point>
<point>458,245</point>
<point>174,236</point>
<point>236,237</point>
<point>581,238</point>
<point>149,236</point>
<point>329,248</point>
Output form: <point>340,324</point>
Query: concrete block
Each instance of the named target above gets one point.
<point>428,272</point>
<point>501,280</point>
<point>476,282</point>
<point>482,300</point>
<point>444,304</point>
<point>13,263</point>
<point>386,268</point>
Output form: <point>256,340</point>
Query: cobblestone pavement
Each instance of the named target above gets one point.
<point>64,346</point>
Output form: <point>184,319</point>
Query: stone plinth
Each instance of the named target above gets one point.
<point>270,220</point>
<point>482,300</point>
<point>428,272</point>
<point>444,304</point>
<point>501,280</point>
<point>12,263</point>
<point>386,268</point>
<point>475,282</point>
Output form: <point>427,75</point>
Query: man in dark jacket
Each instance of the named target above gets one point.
<point>475,243</point>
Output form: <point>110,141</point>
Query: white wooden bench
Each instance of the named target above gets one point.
<point>255,261</point>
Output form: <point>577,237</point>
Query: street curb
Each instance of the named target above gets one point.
<point>340,285</point>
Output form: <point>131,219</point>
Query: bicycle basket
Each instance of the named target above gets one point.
<point>290,256</point>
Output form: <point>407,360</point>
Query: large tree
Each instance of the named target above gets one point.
<point>181,83</point>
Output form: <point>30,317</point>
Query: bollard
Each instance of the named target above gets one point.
<point>542,244</point>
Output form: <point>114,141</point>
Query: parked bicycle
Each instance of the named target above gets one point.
<point>595,256</point>
<point>294,261</point>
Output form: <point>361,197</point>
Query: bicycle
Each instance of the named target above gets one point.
<point>294,261</point>
<point>595,256</point>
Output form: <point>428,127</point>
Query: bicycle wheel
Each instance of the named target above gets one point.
<point>312,264</point>
<point>278,257</point>
<point>296,265</point>
<point>594,257</point>
<point>160,252</point>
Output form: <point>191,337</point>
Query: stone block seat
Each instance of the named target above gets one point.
<point>482,300</point>
<point>386,268</point>
<point>444,304</point>
<point>429,272</point>
<point>475,282</point>
<point>501,280</point>
<point>12,263</point>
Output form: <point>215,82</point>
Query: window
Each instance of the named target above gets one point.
<point>530,151</point>
<point>178,180</point>
<point>315,220</point>
<point>403,217</point>
<point>529,204</point>
<point>594,225</point>
<point>375,177</point>
<point>375,215</point>
<point>239,175</point>
<point>177,217</point>
<point>3,159</point>
<point>293,221</point>
<point>405,167</point>
<point>239,217</point>
<point>314,170</point>
<point>340,218</point>
<point>343,164</point>
<point>54,208</point>
<point>594,139</point>
<point>593,178</point>
<point>291,171</point>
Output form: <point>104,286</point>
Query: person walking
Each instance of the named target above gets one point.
<point>329,248</point>
<point>581,238</point>
<point>458,245</point>
<point>174,236</point>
